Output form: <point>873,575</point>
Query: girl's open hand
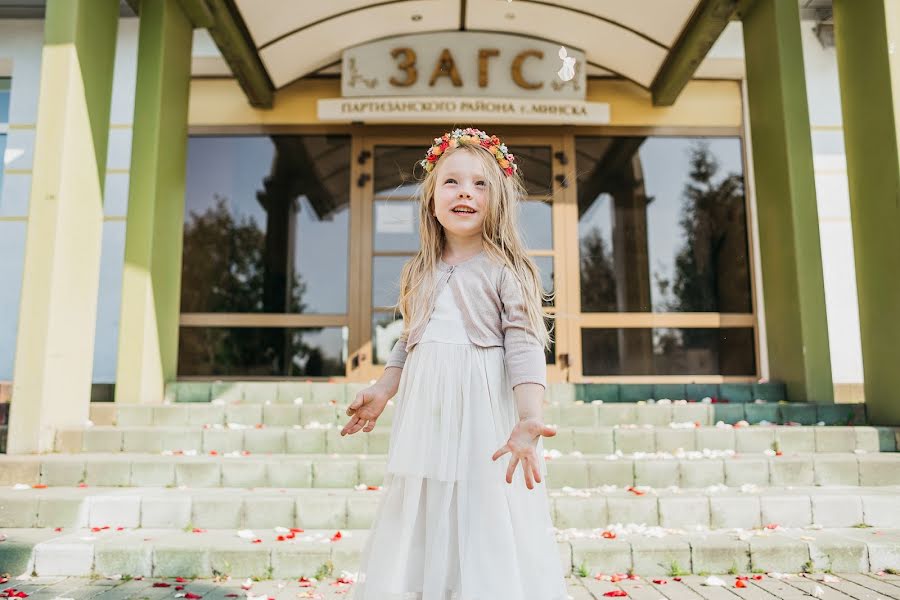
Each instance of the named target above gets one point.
<point>366,408</point>
<point>521,444</point>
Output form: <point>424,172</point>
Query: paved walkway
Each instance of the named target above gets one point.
<point>856,586</point>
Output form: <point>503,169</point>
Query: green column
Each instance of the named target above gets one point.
<point>793,289</point>
<point>869,69</point>
<point>151,282</point>
<point>55,340</point>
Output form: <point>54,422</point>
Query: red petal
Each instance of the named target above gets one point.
<point>161,584</point>
<point>280,538</point>
<point>120,529</point>
<point>615,594</point>
<point>192,596</point>
<point>57,530</point>
<point>336,536</point>
<point>39,486</point>
<point>213,452</point>
<point>772,526</point>
<point>610,535</point>
<point>231,596</point>
<point>257,542</point>
<point>178,588</point>
<point>677,578</point>
<point>198,530</point>
<point>660,581</point>
<point>740,583</point>
<point>295,530</point>
<point>757,577</point>
<point>82,485</point>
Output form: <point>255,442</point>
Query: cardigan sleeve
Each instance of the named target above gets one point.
<point>397,357</point>
<point>523,352</point>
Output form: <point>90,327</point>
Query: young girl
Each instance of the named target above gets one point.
<point>469,374</point>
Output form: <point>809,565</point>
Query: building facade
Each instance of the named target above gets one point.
<point>206,191</point>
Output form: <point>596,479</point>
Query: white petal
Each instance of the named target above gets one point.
<point>562,52</point>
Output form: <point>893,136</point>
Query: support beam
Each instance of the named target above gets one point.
<point>793,287</point>
<point>151,281</point>
<point>57,315</point>
<point>704,28</point>
<point>869,69</point>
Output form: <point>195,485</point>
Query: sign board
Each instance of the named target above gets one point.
<point>460,63</point>
<point>462,111</point>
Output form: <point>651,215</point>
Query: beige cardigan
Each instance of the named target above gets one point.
<point>492,304</point>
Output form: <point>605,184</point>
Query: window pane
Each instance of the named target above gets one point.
<point>394,176</point>
<point>536,167</point>
<point>668,351</point>
<point>545,266</point>
<point>267,224</point>
<point>4,99</point>
<point>536,225</point>
<point>262,351</point>
<point>662,225</point>
<point>386,279</point>
<point>12,251</point>
<point>386,330</point>
<point>396,225</point>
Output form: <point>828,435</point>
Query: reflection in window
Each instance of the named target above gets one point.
<point>662,225</point>
<point>262,351</point>
<point>386,329</point>
<point>668,351</point>
<point>536,225</point>
<point>266,224</point>
<point>4,121</point>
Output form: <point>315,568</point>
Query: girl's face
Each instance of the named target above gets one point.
<point>460,194</point>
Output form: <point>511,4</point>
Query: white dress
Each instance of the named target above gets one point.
<point>448,526</point>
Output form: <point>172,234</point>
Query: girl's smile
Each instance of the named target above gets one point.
<point>460,195</point>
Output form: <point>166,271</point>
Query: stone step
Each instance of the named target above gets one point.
<point>174,553</point>
<point>689,469</point>
<point>296,439</point>
<point>715,508</point>
<point>568,413</point>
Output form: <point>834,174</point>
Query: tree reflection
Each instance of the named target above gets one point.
<point>224,270</point>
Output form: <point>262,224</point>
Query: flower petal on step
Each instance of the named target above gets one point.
<point>615,594</point>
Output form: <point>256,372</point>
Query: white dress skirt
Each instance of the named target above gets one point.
<point>448,526</point>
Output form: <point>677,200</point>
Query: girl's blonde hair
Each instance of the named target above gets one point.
<point>500,235</point>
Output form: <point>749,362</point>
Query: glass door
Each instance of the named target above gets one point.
<point>389,236</point>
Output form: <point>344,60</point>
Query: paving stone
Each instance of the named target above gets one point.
<point>267,512</point>
<point>95,439</point>
<point>671,440</point>
<point>656,473</point>
<point>206,414</point>
<point>580,512</point>
<point>192,391</point>
<point>753,439</point>
<point>837,553</point>
<point>152,473</point>
<point>879,469</point>
<point>832,510</point>
<point>298,560</point>
<point>795,439</point>
<point>561,392</point>
<point>835,439</point>
<point>778,553</point>
<point>216,512</point>
<point>174,558</point>
<point>242,474</point>
<point>141,440</point>
<point>281,415</point>
<point>181,438</point>
<point>756,413</point>
<point>170,415</point>
<point>64,555</point>
<point>222,440</point>
<point>610,472</point>
<point>715,438</point>
<point>250,561</point>
<point>805,414</point>
<point>654,414</point>
<point>21,511</point>
<point>317,413</point>
<point>124,554</point>
<point>361,510</point>
<point>577,415</point>
<point>56,473</point>
<point>562,472</point>
<point>786,510</point>
<point>70,511</point>
<point>616,414</point>
<point>659,556</point>
<point>635,392</point>
<point>259,392</point>
<point>165,512</point>
<point>339,473</point>
<point>599,440</point>
<point>133,415</point>
<point>633,509</point>
<point>728,511</point>
<point>562,441</point>
<point>771,391</point>
<point>687,513</point>
<point>728,413</point>
<point>328,511</point>
<point>264,441</point>
<point>881,510</point>
<point>867,439</point>
<point>605,392</point>
<point>746,469</point>
<point>228,391</point>
<point>198,474</point>
<point>296,473</point>
<point>630,441</point>
<point>605,556</point>
<point>305,441</point>
<point>670,391</point>
<point>347,444</point>
<point>288,392</point>
<point>244,414</point>
<point>70,440</point>
<point>99,472</point>
<point>699,391</point>
<point>115,511</point>
<point>693,412</point>
<point>836,469</point>
<point>835,414</point>
<point>719,554</point>
<point>701,473</point>
<point>791,470</point>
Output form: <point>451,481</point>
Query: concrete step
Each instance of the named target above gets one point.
<point>644,552</point>
<point>595,439</point>
<point>322,409</point>
<point>688,469</point>
<point>714,508</point>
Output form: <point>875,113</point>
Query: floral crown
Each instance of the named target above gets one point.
<point>471,137</point>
